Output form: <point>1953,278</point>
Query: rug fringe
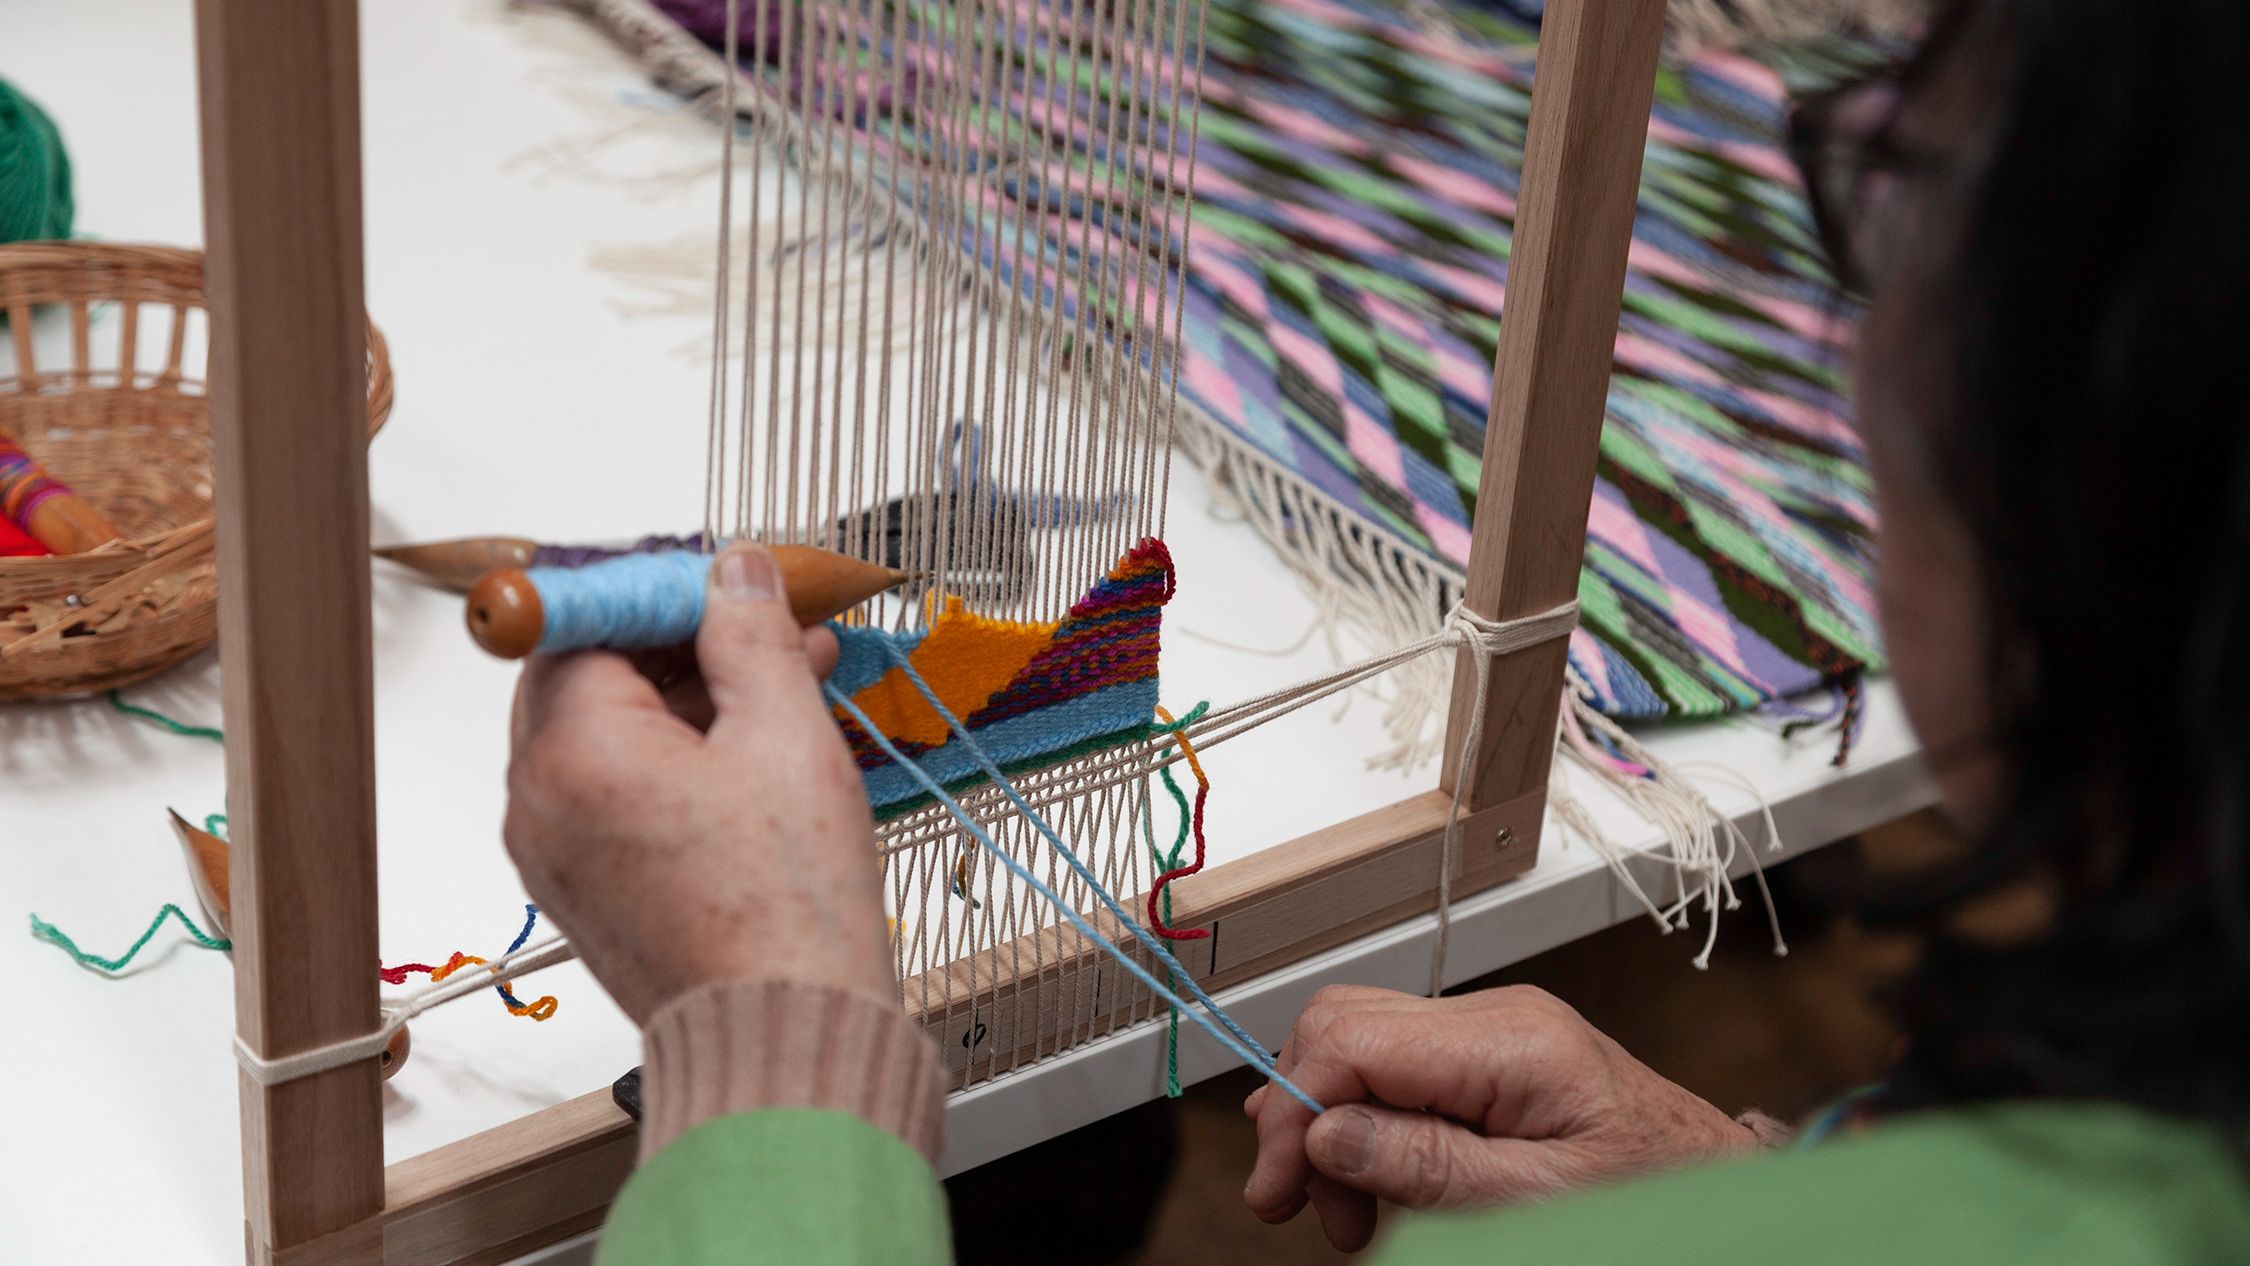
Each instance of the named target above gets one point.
<point>1370,586</point>
<point>1701,843</point>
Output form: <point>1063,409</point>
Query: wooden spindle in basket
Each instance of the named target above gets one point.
<point>44,506</point>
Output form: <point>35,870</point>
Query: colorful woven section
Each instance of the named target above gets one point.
<point>1031,694</point>
<point>1355,203</point>
<point>1357,167</point>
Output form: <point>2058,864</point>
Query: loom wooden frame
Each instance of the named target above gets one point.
<point>279,89</point>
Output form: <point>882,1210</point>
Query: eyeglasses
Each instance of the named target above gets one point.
<point>1843,142</point>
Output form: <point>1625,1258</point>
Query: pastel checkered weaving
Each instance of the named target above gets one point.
<point>1356,192</point>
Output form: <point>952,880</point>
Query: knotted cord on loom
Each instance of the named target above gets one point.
<point>396,1013</point>
<point>540,1009</point>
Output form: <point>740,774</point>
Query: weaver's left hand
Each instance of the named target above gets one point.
<point>1449,1103</point>
<point>726,838</point>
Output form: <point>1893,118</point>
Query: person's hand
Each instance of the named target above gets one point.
<point>724,838</point>
<point>1457,1102</point>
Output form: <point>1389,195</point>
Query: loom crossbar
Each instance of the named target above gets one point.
<point>279,89</point>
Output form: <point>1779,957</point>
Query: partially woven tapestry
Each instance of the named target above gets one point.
<point>1355,167</point>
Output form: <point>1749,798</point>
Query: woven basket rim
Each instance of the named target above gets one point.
<point>80,257</point>
<point>166,564</point>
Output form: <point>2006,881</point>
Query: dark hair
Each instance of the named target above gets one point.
<point>2091,427</point>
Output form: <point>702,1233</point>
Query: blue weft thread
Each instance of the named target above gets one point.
<point>632,602</point>
<point>530,920</point>
<point>1233,1037</point>
<point>1008,789</point>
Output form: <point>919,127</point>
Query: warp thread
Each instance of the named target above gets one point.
<point>35,201</point>
<point>1212,1019</point>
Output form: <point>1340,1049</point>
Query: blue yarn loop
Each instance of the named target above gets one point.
<point>530,920</point>
<point>632,602</point>
<point>1226,1032</point>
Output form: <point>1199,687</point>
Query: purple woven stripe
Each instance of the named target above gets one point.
<point>580,555</point>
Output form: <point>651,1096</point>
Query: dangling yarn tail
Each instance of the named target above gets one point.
<point>46,931</point>
<point>168,724</point>
<point>1846,714</point>
<point>1159,895</point>
<point>1160,918</point>
<point>541,1009</point>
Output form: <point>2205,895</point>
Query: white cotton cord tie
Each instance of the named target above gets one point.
<point>396,1013</point>
<point>1484,639</point>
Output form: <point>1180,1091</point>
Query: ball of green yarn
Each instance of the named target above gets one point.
<point>34,171</point>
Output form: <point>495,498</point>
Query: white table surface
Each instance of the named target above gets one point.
<point>532,401</point>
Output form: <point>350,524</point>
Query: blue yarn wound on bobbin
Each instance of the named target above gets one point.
<point>633,602</point>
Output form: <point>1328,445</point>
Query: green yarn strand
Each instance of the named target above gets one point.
<point>48,932</point>
<point>1165,863</point>
<point>35,198</point>
<point>1180,723</point>
<point>165,723</point>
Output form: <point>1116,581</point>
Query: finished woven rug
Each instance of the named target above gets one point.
<point>1356,167</point>
<point>1359,166</point>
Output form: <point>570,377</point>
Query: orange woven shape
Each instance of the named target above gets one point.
<point>106,390</point>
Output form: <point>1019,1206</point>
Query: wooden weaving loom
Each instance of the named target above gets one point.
<point>279,87</point>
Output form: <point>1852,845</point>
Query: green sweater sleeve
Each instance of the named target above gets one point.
<point>807,1186</point>
<point>2050,1185</point>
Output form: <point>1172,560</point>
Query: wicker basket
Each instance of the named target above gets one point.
<point>130,431</point>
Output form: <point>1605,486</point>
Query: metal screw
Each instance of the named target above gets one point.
<point>1505,838</point>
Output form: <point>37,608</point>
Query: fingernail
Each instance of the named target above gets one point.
<point>745,571</point>
<point>1353,1138</point>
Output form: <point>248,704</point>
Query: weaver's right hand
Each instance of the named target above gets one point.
<point>685,846</point>
<point>1450,1103</point>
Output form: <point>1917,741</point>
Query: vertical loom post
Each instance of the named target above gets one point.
<point>279,88</point>
<point>1590,103</point>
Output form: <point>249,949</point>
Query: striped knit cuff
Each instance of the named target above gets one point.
<point>737,1046</point>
